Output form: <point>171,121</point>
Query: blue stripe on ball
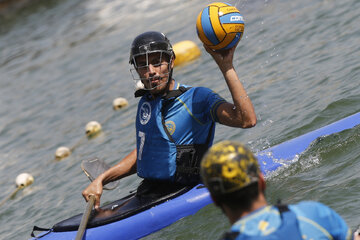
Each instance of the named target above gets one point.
<point>236,17</point>
<point>207,27</point>
<point>234,41</point>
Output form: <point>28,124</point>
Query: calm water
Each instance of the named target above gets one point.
<point>63,62</point>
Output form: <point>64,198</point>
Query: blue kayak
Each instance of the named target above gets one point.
<point>129,218</point>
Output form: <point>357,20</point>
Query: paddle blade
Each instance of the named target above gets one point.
<point>94,167</point>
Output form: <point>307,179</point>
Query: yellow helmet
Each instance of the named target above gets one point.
<point>227,167</point>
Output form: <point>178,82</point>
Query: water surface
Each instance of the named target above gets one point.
<point>63,62</point>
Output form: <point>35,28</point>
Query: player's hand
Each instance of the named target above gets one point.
<point>223,58</point>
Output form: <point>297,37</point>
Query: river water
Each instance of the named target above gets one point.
<point>63,62</point>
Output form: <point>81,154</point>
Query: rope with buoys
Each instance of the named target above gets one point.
<point>22,181</point>
<point>185,51</point>
<point>92,130</point>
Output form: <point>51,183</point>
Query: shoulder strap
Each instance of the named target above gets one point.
<point>170,97</point>
<point>230,236</point>
<point>177,92</point>
<point>140,92</point>
<point>282,207</point>
<point>172,94</point>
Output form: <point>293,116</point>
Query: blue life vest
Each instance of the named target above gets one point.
<point>158,157</point>
<point>288,230</point>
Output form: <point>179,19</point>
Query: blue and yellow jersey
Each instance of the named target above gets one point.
<point>188,118</point>
<point>314,221</point>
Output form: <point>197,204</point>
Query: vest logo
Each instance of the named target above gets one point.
<point>170,125</point>
<point>145,113</point>
<point>236,18</point>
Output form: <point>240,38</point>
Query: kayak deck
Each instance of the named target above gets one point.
<point>117,210</point>
<point>135,226</point>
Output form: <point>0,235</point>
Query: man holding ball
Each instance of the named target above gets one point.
<point>175,124</point>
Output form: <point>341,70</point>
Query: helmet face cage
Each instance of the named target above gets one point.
<point>144,66</point>
<point>151,42</point>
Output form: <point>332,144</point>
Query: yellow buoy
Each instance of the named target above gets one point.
<point>92,129</point>
<point>119,103</point>
<point>24,180</point>
<point>62,152</point>
<point>185,51</point>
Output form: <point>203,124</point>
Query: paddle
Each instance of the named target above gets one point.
<point>85,218</point>
<point>94,167</point>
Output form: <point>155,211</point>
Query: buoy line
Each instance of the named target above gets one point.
<point>185,51</point>
<point>92,130</point>
<point>120,103</point>
<point>23,180</point>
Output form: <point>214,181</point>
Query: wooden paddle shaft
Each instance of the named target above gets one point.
<point>85,218</point>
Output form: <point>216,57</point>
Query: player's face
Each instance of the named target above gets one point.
<point>153,70</point>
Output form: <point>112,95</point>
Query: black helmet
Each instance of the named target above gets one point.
<point>150,42</point>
